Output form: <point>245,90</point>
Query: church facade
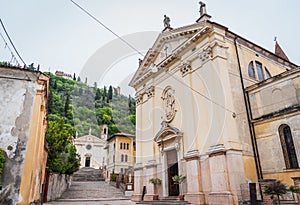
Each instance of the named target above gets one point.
<point>194,92</point>
<point>91,149</point>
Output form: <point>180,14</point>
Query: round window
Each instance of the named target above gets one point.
<point>89,147</point>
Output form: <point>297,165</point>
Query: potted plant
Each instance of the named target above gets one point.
<point>179,180</point>
<point>155,182</point>
<point>276,188</point>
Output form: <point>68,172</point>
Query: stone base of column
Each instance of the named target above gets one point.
<point>195,198</point>
<point>136,197</point>
<point>224,198</point>
<point>148,197</point>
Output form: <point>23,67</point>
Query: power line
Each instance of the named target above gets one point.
<point>12,42</point>
<point>102,24</point>
<point>7,46</point>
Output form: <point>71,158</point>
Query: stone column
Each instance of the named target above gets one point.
<point>297,185</point>
<point>138,185</point>
<point>194,193</point>
<point>220,192</point>
<point>266,198</point>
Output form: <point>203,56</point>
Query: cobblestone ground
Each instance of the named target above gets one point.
<point>92,193</point>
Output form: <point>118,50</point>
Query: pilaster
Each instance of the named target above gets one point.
<point>193,174</point>
<point>138,185</point>
<point>220,191</point>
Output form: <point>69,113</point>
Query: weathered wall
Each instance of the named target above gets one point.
<point>23,96</point>
<point>58,184</point>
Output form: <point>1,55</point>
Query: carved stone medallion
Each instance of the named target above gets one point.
<point>169,103</point>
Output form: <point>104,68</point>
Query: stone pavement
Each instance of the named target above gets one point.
<point>92,193</point>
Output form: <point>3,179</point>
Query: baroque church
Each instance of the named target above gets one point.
<point>216,108</point>
<point>91,149</point>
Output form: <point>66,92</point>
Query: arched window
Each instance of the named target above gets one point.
<point>121,145</point>
<point>257,71</point>
<point>122,158</point>
<point>127,146</point>
<point>104,131</point>
<point>268,75</point>
<point>251,72</point>
<point>288,147</point>
<point>126,158</point>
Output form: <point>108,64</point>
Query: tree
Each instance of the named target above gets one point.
<point>2,160</point>
<point>104,93</point>
<point>67,105</point>
<point>98,94</point>
<point>275,188</point>
<point>110,93</point>
<point>73,160</point>
<point>58,137</point>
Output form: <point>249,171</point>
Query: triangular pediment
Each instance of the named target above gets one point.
<point>89,139</point>
<point>167,46</point>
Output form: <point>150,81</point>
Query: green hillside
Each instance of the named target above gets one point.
<point>84,107</point>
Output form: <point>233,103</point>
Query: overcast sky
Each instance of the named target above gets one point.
<point>59,36</point>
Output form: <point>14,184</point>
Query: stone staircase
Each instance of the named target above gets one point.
<point>164,202</point>
<point>88,174</point>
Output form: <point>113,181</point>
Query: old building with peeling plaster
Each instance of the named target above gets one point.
<point>23,122</point>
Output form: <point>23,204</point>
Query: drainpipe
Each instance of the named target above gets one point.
<point>249,118</point>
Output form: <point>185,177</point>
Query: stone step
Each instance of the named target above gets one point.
<point>88,174</point>
<point>165,201</point>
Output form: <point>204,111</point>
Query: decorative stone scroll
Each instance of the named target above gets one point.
<point>185,68</point>
<point>206,54</point>
<point>150,92</point>
<point>139,99</point>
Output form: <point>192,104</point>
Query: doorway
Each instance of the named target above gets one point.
<point>172,171</point>
<point>87,162</point>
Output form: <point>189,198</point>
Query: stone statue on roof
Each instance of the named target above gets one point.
<point>167,21</point>
<point>202,8</point>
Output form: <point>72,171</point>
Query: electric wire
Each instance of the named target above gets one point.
<point>7,46</point>
<point>107,28</point>
<point>12,43</point>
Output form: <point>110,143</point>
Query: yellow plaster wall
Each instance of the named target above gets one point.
<point>34,162</point>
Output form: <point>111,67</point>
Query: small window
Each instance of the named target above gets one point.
<point>126,158</point>
<point>251,72</point>
<point>121,145</point>
<point>122,158</point>
<point>288,147</point>
<point>127,146</point>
